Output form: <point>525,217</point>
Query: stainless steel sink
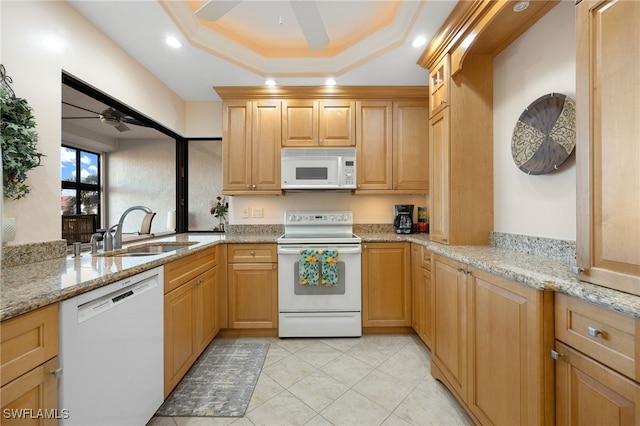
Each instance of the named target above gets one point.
<point>149,249</point>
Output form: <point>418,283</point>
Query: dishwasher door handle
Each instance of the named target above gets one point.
<point>297,249</point>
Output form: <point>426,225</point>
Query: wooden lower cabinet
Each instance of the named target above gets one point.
<point>29,368</point>
<point>252,279</point>
<point>491,345</point>
<point>589,393</point>
<point>510,336</point>
<point>32,399</point>
<point>253,295</point>
<point>422,294</point>
<point>449,351</point>
<point>386,285</point>
<point>191,318</point>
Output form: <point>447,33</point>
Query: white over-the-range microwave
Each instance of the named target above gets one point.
<point>318,168</point>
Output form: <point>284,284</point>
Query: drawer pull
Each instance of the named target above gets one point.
<point>56,373</point>
<point>252,253</point>
<point>594,332</point>
<point>556,355</point>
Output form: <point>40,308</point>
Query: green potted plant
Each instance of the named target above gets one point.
<point>18,140</point>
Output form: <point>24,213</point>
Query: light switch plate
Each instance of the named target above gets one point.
<point>245,212</point>
<point>257,212</point>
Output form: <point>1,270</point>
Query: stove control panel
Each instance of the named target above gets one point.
<point>318,218</point>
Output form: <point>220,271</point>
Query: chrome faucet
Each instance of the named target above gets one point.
<point>117,239</point>
<point>94,242</point>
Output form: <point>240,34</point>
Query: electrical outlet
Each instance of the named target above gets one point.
<point>245,212</point>
<point>257,212</point>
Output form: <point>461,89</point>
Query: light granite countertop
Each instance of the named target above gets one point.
<point>27,287</point>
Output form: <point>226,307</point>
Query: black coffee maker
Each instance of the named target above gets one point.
<point>404,218</point>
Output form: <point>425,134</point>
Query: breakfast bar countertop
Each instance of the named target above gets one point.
<point>27,287</point>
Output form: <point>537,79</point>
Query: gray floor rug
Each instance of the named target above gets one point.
<point>220,383</point>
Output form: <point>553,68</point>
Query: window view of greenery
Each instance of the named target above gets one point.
<point>80,191</point>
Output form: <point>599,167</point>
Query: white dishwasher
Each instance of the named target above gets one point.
<point>111,353</point>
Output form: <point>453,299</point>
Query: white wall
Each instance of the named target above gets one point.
<point>40,39</point>
<point>541,61</point>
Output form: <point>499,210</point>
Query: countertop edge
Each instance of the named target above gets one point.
<point>502,262</point>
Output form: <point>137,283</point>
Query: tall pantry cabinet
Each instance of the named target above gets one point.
<point>608,143</point>
<point>460,152</point>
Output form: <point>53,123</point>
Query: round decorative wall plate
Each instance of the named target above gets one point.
<point>545,134</point>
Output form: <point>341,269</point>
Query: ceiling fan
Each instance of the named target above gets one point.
<point>306,12</point>
<point>109,116</point>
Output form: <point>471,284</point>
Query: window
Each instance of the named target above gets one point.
<point>80,176</point>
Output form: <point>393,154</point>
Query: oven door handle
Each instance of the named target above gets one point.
<point>341,250</point>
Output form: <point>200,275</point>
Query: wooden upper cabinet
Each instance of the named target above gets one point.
<point>312,123</point>
<point>439,170</point>
<point>608,143</point>
<point>439,86</point>
<point>251,135</point>
<point>411,145</point>
<point>374,140</point>
<point>236,145</point>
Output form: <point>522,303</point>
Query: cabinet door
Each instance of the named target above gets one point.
<point>588,393</point>
<point>236,146</point>
<point>337,123</point>
<point>608,143</point>
<point>507,351</point>
<point>411,145</point>
<point>205,295</point>
<point>439,86</point>
<point>421,296</point>
<point>30,394</point>
<point>180,347</point>
<point>386,285</point>
<point>253,295</point>
<point>439,171</point>
<point>374,140</point>
<point>449,356</point>
<point>299,123</point>
<point>265,146</point>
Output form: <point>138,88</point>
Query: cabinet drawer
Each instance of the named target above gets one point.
<point>182,270</point>
<point>605,335</point>
<point>252,253</point>
<point>426,258</point>
<point>27,341</point>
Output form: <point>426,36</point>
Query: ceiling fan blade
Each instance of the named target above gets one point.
<point>79,107</point>
<point>215,9</point>
<point>122,127</point>
<point>78,118</point>
<point>306,12</point>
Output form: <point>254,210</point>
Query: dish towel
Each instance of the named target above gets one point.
<point>330,267</point>
<point>309,267</point>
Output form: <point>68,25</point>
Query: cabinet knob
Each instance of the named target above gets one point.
<point>594,332</point>
<point>56,373</point>
<point>443,102</point>
<point>248,186</point>
<point>444,240</point>
<point>577,270</point>
<point>252,253</point>
<point>556,355</point>
<point>198,282</point>
<point>253,186</point>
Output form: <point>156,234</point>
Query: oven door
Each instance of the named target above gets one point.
<point>346,296</point>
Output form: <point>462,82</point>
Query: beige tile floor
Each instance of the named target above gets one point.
<point>372,380</point>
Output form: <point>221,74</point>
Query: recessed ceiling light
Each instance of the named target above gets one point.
<point>173,42</point>
<point>520,6</point>
<point>330,82</point>
<point>270,82</point>
<point>419,41</point>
